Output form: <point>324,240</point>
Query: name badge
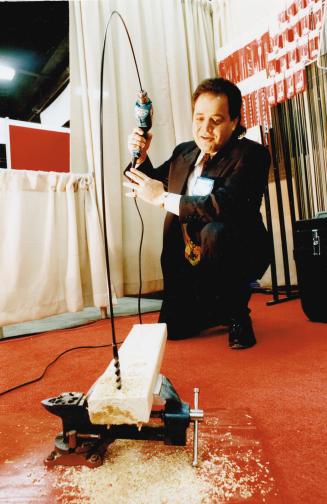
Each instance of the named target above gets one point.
<point>203,186</point>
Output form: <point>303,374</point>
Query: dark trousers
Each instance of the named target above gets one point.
<point>214,292</point>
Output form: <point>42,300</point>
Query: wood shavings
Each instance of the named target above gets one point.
<point>147,472</point>
<point>135,472</point>
<point>242,478</point>
<point>235,465</point>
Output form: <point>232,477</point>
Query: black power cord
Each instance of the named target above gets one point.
<point>51,363</point>
<point>140,264</point>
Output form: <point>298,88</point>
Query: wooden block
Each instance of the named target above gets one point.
<point>140,359</point>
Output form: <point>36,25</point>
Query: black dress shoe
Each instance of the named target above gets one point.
<point>241,334</point>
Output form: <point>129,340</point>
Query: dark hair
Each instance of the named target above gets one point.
<point>218,86</point>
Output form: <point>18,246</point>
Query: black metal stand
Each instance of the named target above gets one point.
<point>287,291</point>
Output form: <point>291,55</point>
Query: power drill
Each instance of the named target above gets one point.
<point>143,115</point>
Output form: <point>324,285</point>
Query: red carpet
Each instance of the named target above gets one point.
<point>279,385</point>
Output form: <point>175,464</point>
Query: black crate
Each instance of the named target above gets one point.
<point>310,254</point>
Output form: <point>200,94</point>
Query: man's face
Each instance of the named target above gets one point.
<point>212,126</point>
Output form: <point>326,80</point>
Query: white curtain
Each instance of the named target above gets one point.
<point>174,47</point>
<point>51,248</point>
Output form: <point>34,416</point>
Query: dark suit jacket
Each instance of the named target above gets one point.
<point>240,173</point>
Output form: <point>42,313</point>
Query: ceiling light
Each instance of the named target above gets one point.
<point>6,72</point>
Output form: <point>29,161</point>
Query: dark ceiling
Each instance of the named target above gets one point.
<point>34,39</point>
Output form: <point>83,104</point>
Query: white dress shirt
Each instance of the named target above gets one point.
<point>172,200</point>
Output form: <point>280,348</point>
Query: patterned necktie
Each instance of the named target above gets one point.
<point>193,250</point>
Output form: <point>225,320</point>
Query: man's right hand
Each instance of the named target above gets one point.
<point>136,141</point>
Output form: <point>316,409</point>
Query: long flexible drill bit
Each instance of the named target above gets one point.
<point>113,333</point>
<point>143,95</point>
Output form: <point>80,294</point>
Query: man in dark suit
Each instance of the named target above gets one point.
<point>215,243</point>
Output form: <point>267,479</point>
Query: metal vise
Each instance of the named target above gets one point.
<point>84,443</point>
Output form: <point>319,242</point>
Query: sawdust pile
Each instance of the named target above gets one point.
<point>140,472</point>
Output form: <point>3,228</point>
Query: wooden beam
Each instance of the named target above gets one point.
<point>140,359</point>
